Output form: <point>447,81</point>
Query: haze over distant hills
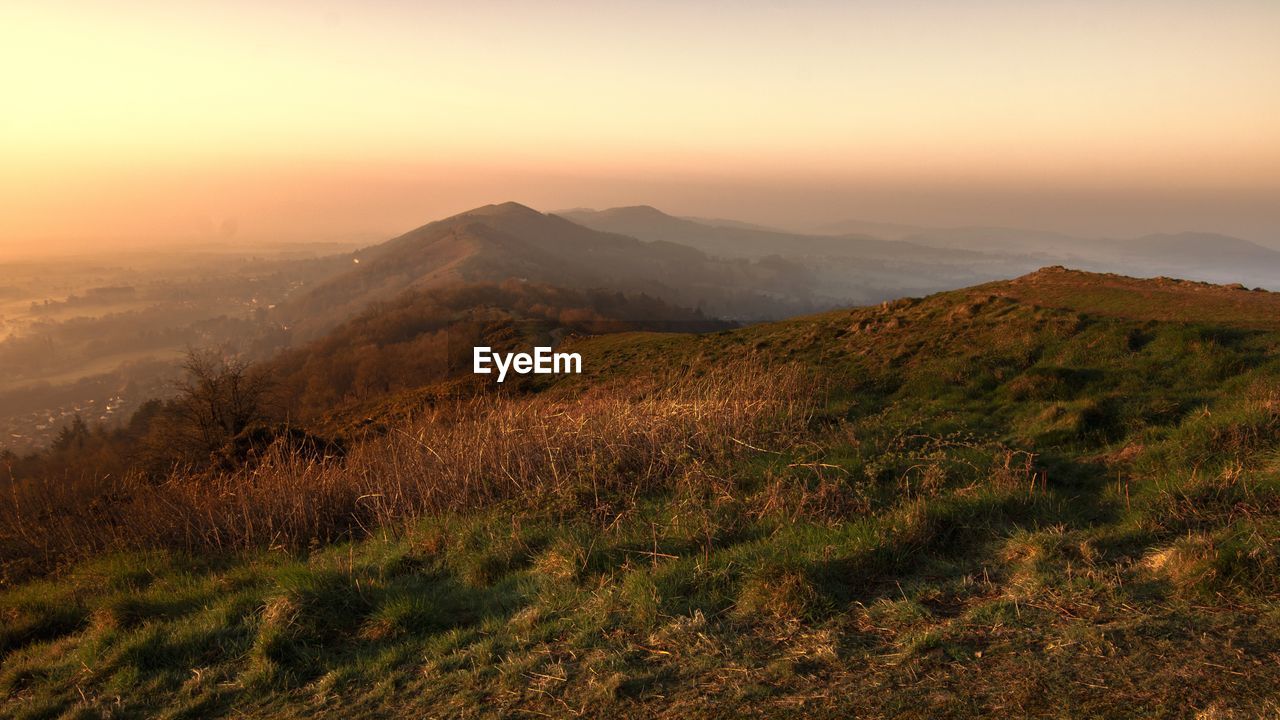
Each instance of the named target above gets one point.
<point>1196,255</point>
<point>739,271</point>
<point>697,268</point>
<point>849,269</point>
<point>497,242</point>
<point>982,251</point>
<point>729,239</point>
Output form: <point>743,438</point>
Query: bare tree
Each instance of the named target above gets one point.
<point>221,397</point>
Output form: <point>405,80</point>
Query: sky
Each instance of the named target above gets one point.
<point>139,122</point>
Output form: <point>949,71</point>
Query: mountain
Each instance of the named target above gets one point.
<point>497,242</point>
<point>852,269</point>
<point>1221,256</point>
<point>726,222</point>
<point>1203,256</point>
<point>888,231</point>
<point>1010,241</point>
<point>735,240</point>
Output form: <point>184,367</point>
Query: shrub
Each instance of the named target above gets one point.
<point>598,451</point>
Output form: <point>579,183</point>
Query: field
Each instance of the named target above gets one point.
<point>1054,497</point>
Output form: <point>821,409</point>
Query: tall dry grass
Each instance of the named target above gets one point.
<point>613,442</point>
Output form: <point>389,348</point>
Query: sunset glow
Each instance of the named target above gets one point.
<point>136,121</point>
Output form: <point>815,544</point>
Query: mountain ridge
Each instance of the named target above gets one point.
<point>989,251</point>
<point>508,240</point>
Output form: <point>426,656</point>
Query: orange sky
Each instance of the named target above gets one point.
<point>150,122</point>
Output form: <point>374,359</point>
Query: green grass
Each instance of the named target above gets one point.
<point>999,507</point>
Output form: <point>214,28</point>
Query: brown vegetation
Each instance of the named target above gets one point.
<point>426,335</point>
<point>620,440</point>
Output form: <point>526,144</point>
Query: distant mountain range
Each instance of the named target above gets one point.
<point>986,252</point>
<point>1200,256</point>
<point>737,240</point>
<point>497,242</point>
<point>851,269</point>
<point>507,265</point>
<point>738,271</point>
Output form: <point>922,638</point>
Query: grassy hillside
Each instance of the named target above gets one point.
<point>425,336</point>
<point>1052,497</point>
<point>495,243</point>
<point>853,269</point>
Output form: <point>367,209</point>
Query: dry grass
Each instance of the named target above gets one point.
<point>597,452</point>
<point>927,546</point>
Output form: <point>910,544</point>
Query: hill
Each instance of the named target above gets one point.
<point>1056,496</point>
<point>727,240</point>
<point>852,268</point>
<point>425,336</point>
<point>1212,252</point>
<point>497,242</point>
<point>1158,299</point>
<point>1202,256</point>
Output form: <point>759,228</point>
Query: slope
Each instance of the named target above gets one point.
<point>1013,499</point>
<point>648,223</point>
<point>425,336</point>
<point>498,242</point>
<point>853,269</point>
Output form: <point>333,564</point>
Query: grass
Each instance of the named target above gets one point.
<point>968,505</point>
<point>592,454</point>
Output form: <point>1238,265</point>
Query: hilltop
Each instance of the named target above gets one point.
<point>851,256</point>
<point>495,243</point>
<point>1204,256</point>
<point>1054,496</point>
<point>1157,299</point>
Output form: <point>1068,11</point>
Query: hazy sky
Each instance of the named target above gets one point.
<point>150,121</point>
